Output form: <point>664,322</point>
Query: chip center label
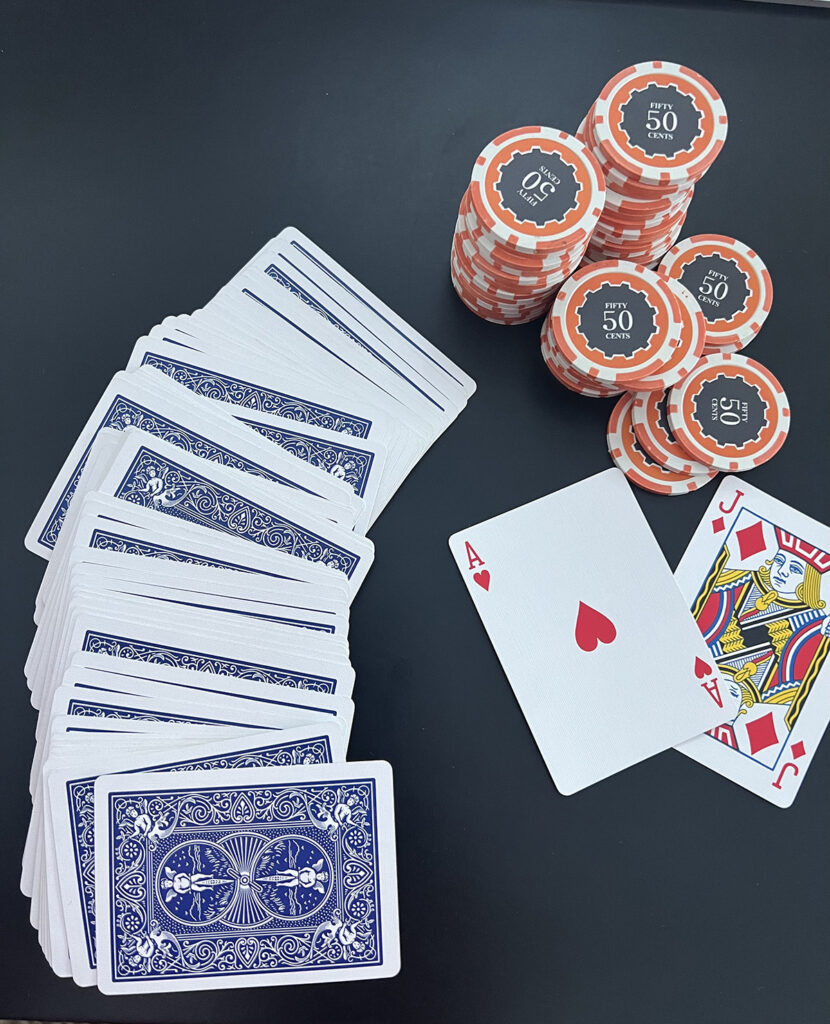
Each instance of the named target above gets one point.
<point>730,410</point>
<point>538,186</point>
<point>616,320</point>
<point>661,120</point>
<point>718,284</point>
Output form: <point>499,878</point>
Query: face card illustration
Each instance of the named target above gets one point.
<point>756,576</point>
<point>590,628</point>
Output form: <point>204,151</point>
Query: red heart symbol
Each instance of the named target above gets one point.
<point>701,668</point>
<point>592,627</point>
<point>482,578</point>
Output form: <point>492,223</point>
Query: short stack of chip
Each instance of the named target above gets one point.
<point>655,130</point>
<point>524,223</point>
<point>731,284</point>
<point>620,329</point>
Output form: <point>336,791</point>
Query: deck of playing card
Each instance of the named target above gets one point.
<point>194,824</point>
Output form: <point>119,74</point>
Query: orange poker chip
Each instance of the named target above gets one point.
<point>729,280</point>
<point>638,466</point>
<point>651,426</point>
<point>566,374</point>
<point>730,413</point>
<point>615,321</point>
<point>659,123</point>
<point>688,352</point>
<point>537,189</point>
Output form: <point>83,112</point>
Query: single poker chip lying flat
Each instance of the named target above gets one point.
<point>730,282</point>
<point>615,321</point>
<point>651,425</point>
<point>659,123</point>
<point>537,189</point>
<point>639,467</point>
<point>730,413</point>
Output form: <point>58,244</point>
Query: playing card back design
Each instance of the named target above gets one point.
<point>125,412</point>
<point>153,481</point>
<point>344,462</point>
<point>101,709</point>
<point>265,879</point>
<point>80,800</point>
<point>108,540</point>
<point>225,388</point>
<point>99,642</point>
<point>763,616</point>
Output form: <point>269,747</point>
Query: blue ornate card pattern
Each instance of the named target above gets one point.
<point>124,412</point>
<point>102,709</point>
<point>353,465</point>
<point>223,388</point>
<point>109,540</point>
<point>81,804</point>
<point>98,642</point>
<point>243,880</point>
<point>154,481</point>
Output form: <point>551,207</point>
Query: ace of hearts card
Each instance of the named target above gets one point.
<point>592,632</point>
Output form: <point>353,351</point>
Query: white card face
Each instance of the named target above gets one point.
<point>294,258</point>
<point>591,630</point>
<point>756,576</point>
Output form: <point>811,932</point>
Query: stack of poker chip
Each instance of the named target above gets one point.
<point>655,130</point>
<point>682,415</point>
<point>731,284</point>
<point>524,223</point>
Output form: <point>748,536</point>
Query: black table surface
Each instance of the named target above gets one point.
<point>149,149</point>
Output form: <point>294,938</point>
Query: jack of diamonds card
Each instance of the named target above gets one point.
<point>757,578</point>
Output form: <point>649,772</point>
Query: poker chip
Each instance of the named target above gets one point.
<point>616,322</point>
<point>687,355</point>
<point>655,130</point>
<point>491,301</point>
<point>730,412</point>
<point>651,426</point>
<point>659,124</point>
<point>565,374</point>
<point>524,223</point>
<point>730,282</point>
<point>537,189</point>
<point>495,312</point>
<point>639,467</point>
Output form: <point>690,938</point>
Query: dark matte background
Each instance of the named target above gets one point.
<point>149,150</point>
